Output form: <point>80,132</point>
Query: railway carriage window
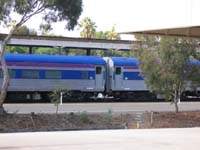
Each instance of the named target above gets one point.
<point>98,70</point>
<point>30,74</point>
<point>53,74</point>
<point>11,73</point>
<point>84,75</point>
<point>1,74</point>
<point>118,70</point>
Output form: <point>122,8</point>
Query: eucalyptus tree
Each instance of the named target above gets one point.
<point>24,30</point>
<point>169,69</point>
<point>50,10</point>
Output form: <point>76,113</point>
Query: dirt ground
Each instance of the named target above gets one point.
<point>85,121</point>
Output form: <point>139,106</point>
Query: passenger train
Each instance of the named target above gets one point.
<point>32,77</point>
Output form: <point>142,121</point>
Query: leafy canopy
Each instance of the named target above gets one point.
<point>167,68</point>
<point>52,10</point>
<point>88,28</point>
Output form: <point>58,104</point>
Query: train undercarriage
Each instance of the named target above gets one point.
<point>78,96</point>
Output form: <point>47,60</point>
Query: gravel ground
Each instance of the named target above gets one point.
<point>85,121</point>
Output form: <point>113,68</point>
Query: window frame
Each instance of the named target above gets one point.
<point>84,74</point>
<point>53,77</point>
<point>31,77</point>
<point>11,75</point>
<point>98,70</point>
<point>118,70</point>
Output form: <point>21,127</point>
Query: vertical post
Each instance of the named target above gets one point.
<point>138,125</point>
<point>88,52</point>
<point>1,46</point>
<point>151,120</point>
<point>60,50</point>
<point>30,50</point>
<point>179,100</point>
<point>61,98</point>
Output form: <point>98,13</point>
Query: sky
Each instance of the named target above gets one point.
<point>131,15</point>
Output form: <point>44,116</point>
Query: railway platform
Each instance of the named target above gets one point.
<point>140,139</point>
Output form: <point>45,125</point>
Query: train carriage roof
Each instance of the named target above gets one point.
<point>194,62</point>
<point>122,61</point>
<point>54,59</point>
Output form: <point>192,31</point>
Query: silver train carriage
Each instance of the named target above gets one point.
<point>33,76</point>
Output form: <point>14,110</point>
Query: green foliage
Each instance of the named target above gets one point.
<point>112,34</point>
<point>56,95</point>
<point>149,41</point>
<point>101,35</point>
<point>45,28</point>
<point>166,68</point>
<point>24,30</point>
<point>53,10</point>
<point>84,118</point>
<point>89,31</point>
<point>17,49</point>
<point>109,35</point>
<point>88,28</point>
<point>55,98</point>
<point>5,10</point>
<point>108,115</point>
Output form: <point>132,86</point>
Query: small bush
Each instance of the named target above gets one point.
<point>108,115</point>
<point>84,118</point>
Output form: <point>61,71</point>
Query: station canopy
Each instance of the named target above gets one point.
<point>188,31</point>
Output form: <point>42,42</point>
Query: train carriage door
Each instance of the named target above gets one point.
<point>99,77</point>
<point>118,78</point>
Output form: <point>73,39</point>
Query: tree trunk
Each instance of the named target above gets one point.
<point>4,87</point>
<point>4,84</point>
<point>176,106</point>
<point>176,100</point>
<point>5,81</point>
<point>2,110</point>
<point>3,44</point>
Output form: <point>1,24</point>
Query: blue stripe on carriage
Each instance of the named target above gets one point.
<point>65,74</point>
<point>75,74</point>
<point>132,76</point>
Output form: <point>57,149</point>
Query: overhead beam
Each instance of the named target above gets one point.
<point>187,32</point>
<point>65,42</point>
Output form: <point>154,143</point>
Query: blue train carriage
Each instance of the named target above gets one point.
<point>124,78</point>
<point>35,75</point>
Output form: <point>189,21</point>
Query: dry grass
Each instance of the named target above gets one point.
<point>85,121</point>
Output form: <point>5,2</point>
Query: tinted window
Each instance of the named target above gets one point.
<point>30,74</point>
<point>118,70</point>
<point>1,73</point>
<point>53,74</point>
<point>11,73</point>
<point>84,75</point>
<point>98,70</point>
